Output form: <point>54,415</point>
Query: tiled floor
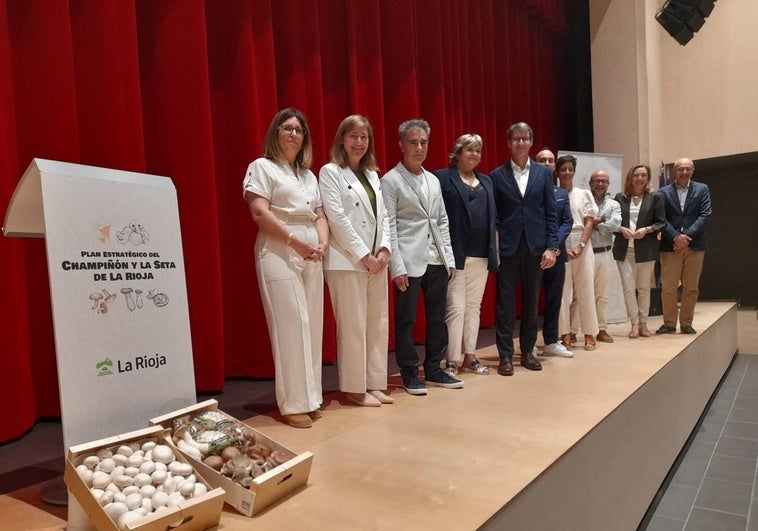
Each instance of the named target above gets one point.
<point>714,486</point>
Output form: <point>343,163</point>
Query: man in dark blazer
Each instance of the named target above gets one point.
<point>528,231</point>
<point>688,207</point>
<point>553,278</point>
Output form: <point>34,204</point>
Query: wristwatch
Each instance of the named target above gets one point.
<point>582,245</point>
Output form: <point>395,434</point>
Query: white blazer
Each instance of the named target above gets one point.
<point>352,224</point>
<point>416,223</point>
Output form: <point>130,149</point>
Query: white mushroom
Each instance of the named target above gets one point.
<point>128,296</point>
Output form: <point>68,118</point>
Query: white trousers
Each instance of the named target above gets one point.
<point>292,291</point>
<point>604,263</point>
<point>580,286</point>
<point>636,277</point>
<point>359,301</point>
<point>464,302</point>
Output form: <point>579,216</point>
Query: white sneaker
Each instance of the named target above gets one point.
<point>535,353</point>
<point>557,349</point>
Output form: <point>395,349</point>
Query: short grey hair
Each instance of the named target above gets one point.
<point>413,124</point>
<point>520,126</point>
<point>464,141</point>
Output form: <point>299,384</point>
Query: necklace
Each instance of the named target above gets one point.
<point>469,181</point>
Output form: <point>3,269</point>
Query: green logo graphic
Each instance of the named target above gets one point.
<point>104,367</point>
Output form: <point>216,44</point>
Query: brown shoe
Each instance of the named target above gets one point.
<point>298,420</point>
<point>589,342</point>
<point>530,362</point>
<point>604,337</point>
<point>506,367</point>
<point>566,341</point>
<point>573,338</point>
<point>644,330</point>
<point>316,414</point>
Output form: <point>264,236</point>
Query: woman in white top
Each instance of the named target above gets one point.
<point>292,238</point>
<point>643,215</point>
<point>580,283</point>
<point>356,261</point>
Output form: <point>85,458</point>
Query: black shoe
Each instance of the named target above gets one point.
<point>443,379</point>
<point>505,368</point>
<point>687,329</point>
<point>666,330</point>
<point>413,385</point>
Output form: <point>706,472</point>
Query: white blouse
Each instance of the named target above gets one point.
<point>582,206</point>
<point>289,194</point>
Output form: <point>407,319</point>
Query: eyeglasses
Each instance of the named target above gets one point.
<point>521,140</point>
<point>290,129</point>
<point>685,169</point>
<point>599,181</point>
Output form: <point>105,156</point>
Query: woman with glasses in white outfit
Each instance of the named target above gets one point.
<point>292,238</point>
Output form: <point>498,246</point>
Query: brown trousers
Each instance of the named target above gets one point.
<point>684,265</point>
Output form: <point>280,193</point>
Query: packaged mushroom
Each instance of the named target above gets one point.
<point>254,470</point>
<point>138,481</point>
<point>226,445</point>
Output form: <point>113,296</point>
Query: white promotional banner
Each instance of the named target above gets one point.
<point>118,293</point>
<point>586,165</point>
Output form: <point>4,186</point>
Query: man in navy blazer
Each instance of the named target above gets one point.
<point>528,232</point>
<point>688,207</point>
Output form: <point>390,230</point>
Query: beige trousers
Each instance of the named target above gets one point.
<point>635,281</point>
<point>603,263</point>
<point>464,303</point>
<point>580,286</point>
<point>359,301</point>
<point>682,266</point>
<point>292,292</point>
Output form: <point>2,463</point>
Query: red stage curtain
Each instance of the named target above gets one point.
<point>187,89</point>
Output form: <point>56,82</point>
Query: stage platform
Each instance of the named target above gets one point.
<point>582,445</point>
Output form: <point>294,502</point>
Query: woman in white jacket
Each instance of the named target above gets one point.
<point>356,260</point>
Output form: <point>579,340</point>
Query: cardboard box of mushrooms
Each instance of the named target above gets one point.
<point>254,470</point>
<point>139,481</point>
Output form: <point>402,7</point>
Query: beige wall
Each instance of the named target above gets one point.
<point>654,99</point>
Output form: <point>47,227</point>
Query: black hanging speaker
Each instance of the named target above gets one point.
<point>683,18</point>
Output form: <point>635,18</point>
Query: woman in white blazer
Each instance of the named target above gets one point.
<point>355,262</point>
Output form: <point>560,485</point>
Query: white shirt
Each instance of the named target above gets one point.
<point>582,206</point>
<point>289,194</point>
<point>521,176</point>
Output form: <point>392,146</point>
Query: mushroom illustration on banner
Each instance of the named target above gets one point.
<point>101,300</point>
<point>133,233</point>
<point>134,301</point>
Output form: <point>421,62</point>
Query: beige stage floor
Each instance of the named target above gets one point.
<point>449,460</point>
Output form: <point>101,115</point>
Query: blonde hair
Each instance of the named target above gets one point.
<point>338,153</point>
<point>464,141</point>
<point>628,189</point>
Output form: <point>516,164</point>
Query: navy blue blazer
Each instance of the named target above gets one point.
<point>455,195</point>
<point>565,220</point>
<point>691,221</point>
<point>533,216</point>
